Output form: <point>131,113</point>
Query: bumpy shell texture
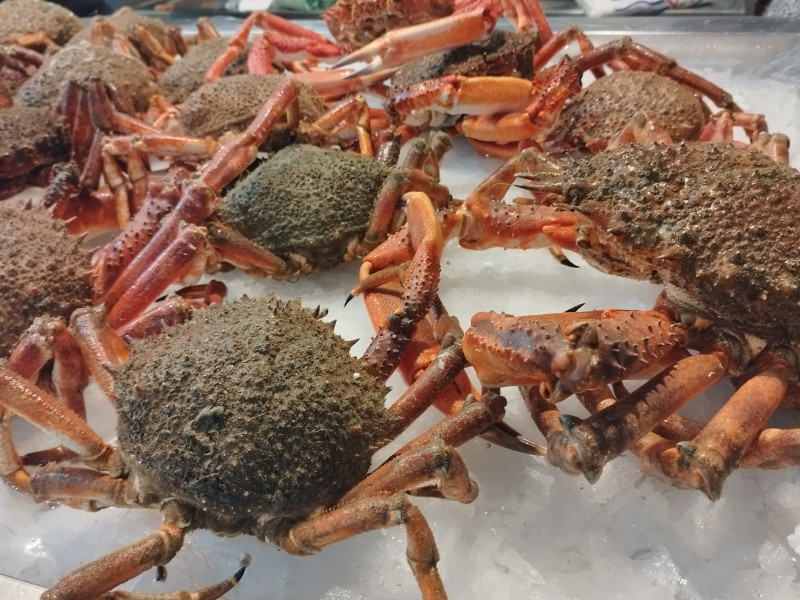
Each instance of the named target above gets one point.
<point>187,74</point>
<point>21,17</point>
<point>230,103</point>
<point>306,200</point>
<point>42,272</point>
<point>714,223</point>
<point>80,62</point>
<point>251,409</point>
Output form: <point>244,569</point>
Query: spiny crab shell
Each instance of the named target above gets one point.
<point>44,271</point>
<point>715,224</point>
<point>22,17</point>
<point>306,204</point>
<point>252,412</point>
<point>605,107</point>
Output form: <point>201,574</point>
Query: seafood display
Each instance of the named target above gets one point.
<point>711,326</point>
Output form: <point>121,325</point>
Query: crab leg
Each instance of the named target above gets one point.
<point>104,574</point>
<point>200,196</point>
<point>285,36</point>
<point>400,46</point>
<point>586,445</point>
<point>704,462</point>
<point>20,397</point>
<point>367,514</point>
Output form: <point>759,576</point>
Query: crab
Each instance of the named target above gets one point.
<point>45,279</point>
<point>30,138</point>
<point>146,38</point>
<point>304,209</point>
<point>37,23</point>
<point>651,94</point>
<point>692,217</point>
<point>355,23</point>
<point>189,418</point>
<point>186,75</point>
<point>81,62</point>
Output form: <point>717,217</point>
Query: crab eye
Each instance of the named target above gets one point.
<point>574,194</point>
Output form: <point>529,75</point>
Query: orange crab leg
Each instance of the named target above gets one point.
<point>286,35</point>
<point>200,196</point>
<point>43,410</point>
<point>400,46</point>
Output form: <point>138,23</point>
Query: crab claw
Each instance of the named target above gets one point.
<point>410,43</point>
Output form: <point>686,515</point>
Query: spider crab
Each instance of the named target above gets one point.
<point>187,418</point>
<point>690,216</point>
<point>306,208</point>
<point>501,115</point>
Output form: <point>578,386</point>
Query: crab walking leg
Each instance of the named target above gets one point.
<point>20,397</point>
<point>421,283</point>
<point>104,574</point>
<point>406,466</point>
<point>405,44</point>
<point>704,462</point>
<point>586,445</point>
<point>234,248</point>
<point>200,196</point>
<point>100,345</point>
<point>367,514</point>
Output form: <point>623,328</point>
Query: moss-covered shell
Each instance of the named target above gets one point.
<point>81,62</point>
<point>43,271</point>
<point>251,410</point>
<point>306,200</point>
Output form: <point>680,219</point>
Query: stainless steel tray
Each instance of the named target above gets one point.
<point>533,532</point>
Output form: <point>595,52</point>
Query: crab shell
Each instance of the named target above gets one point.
<point>307,204</point>
<point>715,224</point>
<point>22,17</point>
<point>502,52</point>
<point>253,412</point>
<point>187,74</point>
<point>355,23</point>
<point>606,106</point>
<point>231,103</point>
<point>29,138</point>
<point>44,271</point>
<point>80,63</point>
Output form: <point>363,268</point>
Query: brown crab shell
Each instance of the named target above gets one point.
<point>43,271</point>
<point>80,63</point>
<point>307,201</point>
<point>716,224</point>
<point>30,138</point>
<point>502,53</point>
<point>251,412</point>
<point>22,17</point>
<point>230,104</point>
<point>187,74</point>
<point>603,108</point>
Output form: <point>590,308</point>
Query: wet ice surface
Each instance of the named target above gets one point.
<point>533,532</point>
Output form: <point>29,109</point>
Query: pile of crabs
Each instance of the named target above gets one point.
<point>195,154</point>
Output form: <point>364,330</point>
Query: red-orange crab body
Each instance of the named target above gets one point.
<point>355,23</point>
